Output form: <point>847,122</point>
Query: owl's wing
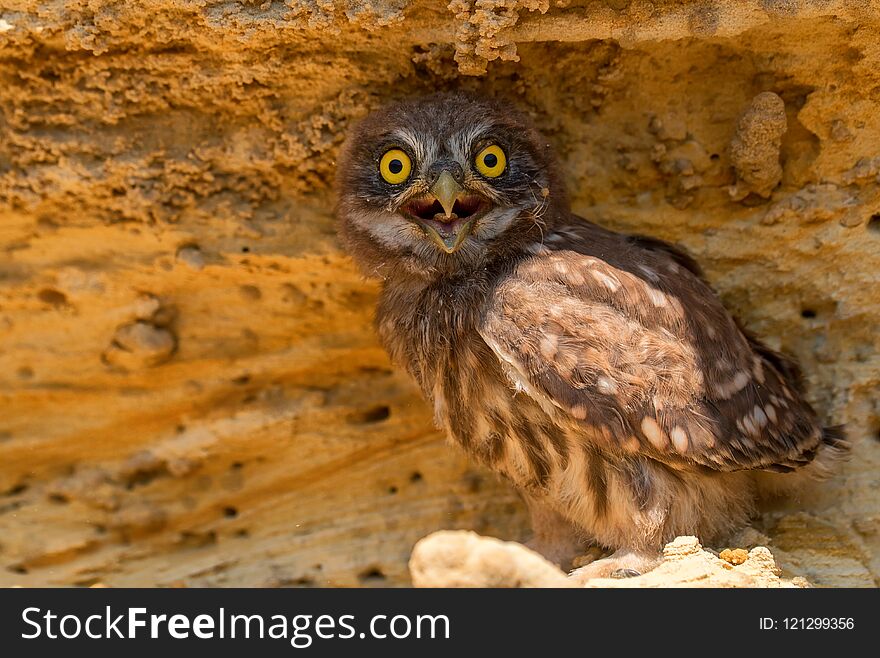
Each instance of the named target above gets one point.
<point>636,348</point>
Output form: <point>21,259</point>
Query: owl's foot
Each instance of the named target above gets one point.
<point>620,564</point>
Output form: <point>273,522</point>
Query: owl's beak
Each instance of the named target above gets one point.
<point>447,213</point>
<point>446,190</point>
<point>449,242</point>
<point>449,234</point>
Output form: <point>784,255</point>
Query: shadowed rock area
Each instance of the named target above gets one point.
<point>190,389</point>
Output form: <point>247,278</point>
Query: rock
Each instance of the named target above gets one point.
<point>140,345</point>
<point>735,556</point>
<point>687,564</point>
<point>192,256</point>
<point>754,150</point>
<point>668,128</point>
<point>483,31</point>
<point>464,559</point>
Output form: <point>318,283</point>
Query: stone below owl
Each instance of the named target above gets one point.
<point>597,372</point>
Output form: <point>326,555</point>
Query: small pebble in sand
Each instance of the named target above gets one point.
<point>734,556</point>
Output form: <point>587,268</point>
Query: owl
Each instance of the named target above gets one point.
<point>597,372</point>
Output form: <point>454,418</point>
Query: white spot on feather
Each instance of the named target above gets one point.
<point>653,433</point>
<point>549,346</point>
<point>609,282</point>
<point>758,370</point>
<point>649,273</point>
<point>738,383</point>
<point>759,416</point>
<point>606,385</point>
<point>679,439</point>
<point>657,298</point>
<point>749,425</point>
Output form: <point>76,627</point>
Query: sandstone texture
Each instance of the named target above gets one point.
<point>464,559</point>
<point>461,558</point>
<point>754,150</point>
<point>190,389</point>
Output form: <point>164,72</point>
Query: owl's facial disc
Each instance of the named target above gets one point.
<point>447,213</point>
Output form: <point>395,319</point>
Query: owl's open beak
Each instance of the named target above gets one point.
<point>447,214</point>
<point>446,190</point>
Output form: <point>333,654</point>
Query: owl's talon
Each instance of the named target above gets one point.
<point>620,564</point>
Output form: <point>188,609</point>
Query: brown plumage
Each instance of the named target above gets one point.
<point>596,371</point>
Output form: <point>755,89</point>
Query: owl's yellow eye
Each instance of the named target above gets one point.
<point>395,166</point>
<point>491,161</point>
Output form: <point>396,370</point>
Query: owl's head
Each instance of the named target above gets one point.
<point>443,184</point>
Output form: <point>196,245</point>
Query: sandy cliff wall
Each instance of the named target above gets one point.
<point>190,391</point>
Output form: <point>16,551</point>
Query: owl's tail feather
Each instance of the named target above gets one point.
<point>835,446</point>
<point>835,436</point>
<point>834,449</point>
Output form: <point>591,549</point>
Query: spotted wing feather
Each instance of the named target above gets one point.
<point>625,340</point>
